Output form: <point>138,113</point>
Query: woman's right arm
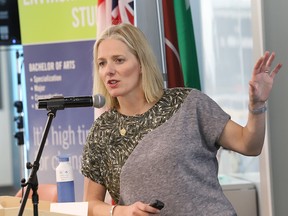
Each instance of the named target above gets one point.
<point>94,194</point>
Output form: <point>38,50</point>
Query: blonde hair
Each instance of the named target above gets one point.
<point>152,79</point>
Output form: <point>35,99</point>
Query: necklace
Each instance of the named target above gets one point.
<point>130,122</point>
<point>122,131</point>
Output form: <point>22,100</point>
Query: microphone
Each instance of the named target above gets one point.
<point>57,102</point>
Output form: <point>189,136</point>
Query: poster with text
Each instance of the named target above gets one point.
<point>58,38</point>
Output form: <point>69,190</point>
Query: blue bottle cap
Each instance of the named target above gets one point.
<point>63,158</point>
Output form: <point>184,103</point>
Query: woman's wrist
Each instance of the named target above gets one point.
<point>259,109</point>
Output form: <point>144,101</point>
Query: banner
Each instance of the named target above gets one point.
<point>58,39</point>
<point>49,21</point>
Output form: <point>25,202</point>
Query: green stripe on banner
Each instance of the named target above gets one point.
<point>45,21</point>
<point>186,42</point>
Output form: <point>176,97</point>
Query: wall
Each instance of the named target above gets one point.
<point>275,35</point>
<point>152,30</point>
<point>7,144</point>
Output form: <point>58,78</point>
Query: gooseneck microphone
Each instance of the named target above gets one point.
<point>61,103</point>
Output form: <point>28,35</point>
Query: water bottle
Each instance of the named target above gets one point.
<point>65,181</point>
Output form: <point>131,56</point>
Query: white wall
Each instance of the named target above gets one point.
<point>11,155</point>
<point>275,35</point>
<point>152,26</point>
<point>6,117</point>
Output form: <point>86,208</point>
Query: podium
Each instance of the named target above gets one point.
<point>9,206</point>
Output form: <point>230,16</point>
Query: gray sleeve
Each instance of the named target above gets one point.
<point>211,118</point>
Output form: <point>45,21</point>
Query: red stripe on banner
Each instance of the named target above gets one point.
<point>174,70</point>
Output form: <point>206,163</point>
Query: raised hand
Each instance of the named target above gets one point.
<point>262,79</point>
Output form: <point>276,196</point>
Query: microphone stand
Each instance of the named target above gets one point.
<point>32,182</point>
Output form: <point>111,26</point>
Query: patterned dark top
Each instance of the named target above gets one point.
<point>114,136</point>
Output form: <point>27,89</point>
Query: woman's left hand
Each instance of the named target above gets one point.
<point>262,79</point>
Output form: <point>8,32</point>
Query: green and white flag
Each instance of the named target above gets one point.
<point>186,43</point>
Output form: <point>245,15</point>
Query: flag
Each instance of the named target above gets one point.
<point>186,43</point>
<point>103,17</point>
<point>126,10</point>
<point>114,12</point>
<point>174,70</point>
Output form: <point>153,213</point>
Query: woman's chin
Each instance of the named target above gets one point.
<point>113,94</point>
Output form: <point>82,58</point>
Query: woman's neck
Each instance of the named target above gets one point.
<point>134,107</point>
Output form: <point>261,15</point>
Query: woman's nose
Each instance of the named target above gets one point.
<point>110,70</point>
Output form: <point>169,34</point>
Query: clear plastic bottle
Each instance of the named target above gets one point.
<point>65,180</point>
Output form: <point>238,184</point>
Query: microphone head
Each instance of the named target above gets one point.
<point>98,101</point>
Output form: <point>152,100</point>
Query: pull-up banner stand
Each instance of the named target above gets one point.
<point>58,38</point>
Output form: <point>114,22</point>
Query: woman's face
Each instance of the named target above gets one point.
<point>119,69</point>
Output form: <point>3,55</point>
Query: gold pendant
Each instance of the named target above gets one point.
<point>122,131</point>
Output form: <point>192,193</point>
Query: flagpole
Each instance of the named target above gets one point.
<point>162,42</point>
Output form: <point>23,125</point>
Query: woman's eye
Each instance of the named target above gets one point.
<point>119,60</point>
<point>101,64</point>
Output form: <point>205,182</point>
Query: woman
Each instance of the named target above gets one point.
<point>156,143</point>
